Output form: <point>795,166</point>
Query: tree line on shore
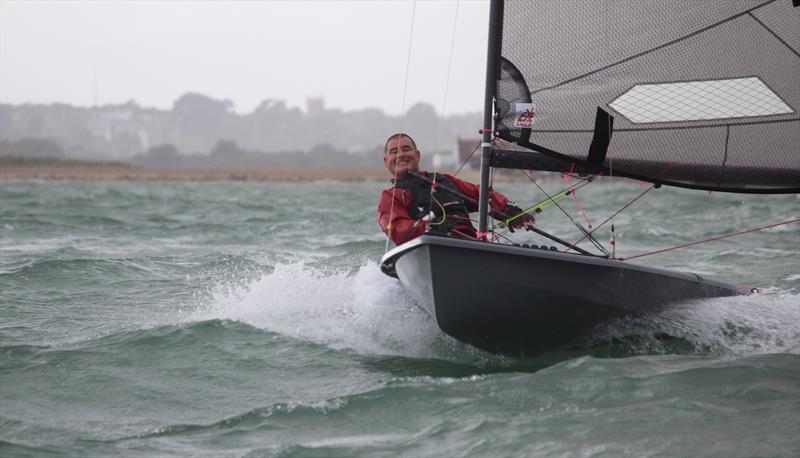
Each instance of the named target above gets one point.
<point>200,131</point>
<point>224,155</point>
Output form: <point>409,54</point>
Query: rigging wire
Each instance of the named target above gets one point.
<point>447,79</point>
<point>551,200</point>
<point>566,178</point>
<point>402,120</point>
<point>450,59</point>
<point>613,238</point>
<point>444,104</point>
<point>408,65</point>
<point>542,205</point>
<point>597,244</point>
<point>498,235</point>
<point>613,215</point>
<point>489,203</point>
<point>719,237</point>
<point>466,161</point>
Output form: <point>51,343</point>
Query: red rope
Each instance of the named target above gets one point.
<point>611,217</point>
<point>566,178</point>
<point>710,240</point>
<point>463,234</point>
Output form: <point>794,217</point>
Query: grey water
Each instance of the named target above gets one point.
<point>251,319</point>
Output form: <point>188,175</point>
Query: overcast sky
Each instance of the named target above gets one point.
<point>353,53</point>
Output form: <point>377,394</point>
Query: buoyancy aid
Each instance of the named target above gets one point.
<point>449,211</point>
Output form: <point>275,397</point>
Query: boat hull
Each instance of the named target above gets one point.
<point>517,300</point>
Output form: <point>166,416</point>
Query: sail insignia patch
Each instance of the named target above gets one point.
<point>525,113</point>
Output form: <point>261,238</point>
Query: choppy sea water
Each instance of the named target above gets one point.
<point>251,319</point>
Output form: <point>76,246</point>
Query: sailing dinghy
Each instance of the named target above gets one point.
<point>700,94</point>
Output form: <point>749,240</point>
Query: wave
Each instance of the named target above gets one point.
<point>278,416</point>
<point>212,340</point>
<point>369,313</point>
<point>19,450</point>
<point>575,391</point>
<point>365,312</point>
<point>165,336</point>
<point>425,416</point>
<point>50,268</point>
<point>756,324</point>
<point>255,418</point>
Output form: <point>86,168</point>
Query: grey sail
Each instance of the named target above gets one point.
<point>703,93</point>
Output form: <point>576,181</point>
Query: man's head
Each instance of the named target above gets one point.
<point>400,155</point>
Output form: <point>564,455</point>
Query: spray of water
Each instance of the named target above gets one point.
<point>366,312</point>
<point>369,313</point>
<point>731,326</point>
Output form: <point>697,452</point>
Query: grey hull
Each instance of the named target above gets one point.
<point>516,300</point>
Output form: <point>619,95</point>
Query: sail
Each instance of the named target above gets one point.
<point>702,93</point>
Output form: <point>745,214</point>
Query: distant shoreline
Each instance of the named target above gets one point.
<point>90,171</point>
<point>141,174</point>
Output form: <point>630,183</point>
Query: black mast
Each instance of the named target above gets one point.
<point>492,74</point>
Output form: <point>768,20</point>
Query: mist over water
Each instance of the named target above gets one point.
<point>251,319</point>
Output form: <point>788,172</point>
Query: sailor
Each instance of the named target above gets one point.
<point>410,208</point>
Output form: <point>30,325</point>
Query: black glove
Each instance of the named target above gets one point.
<point>517,222</point>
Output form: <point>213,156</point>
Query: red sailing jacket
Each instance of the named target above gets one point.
<point>403,225</point>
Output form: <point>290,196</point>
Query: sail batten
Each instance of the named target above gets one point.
<point>704,84</point>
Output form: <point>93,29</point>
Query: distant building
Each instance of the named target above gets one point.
<point>315,106</point>
<point>128,129</point>
<point>443,160</point>
<point>469,150</point>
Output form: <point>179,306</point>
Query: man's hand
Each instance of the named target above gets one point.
<point>519,220</point>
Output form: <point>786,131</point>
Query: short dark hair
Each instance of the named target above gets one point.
<point>398,135</point>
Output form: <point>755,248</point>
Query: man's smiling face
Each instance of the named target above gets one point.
<point>401,156</point>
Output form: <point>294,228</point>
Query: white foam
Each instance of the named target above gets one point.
<point>370,313</point>
<point>736,326</point>
<point>366,312</point>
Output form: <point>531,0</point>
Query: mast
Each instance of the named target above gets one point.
<point>492,69</point>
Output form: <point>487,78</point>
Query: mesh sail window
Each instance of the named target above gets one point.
<point>704,93</point>
<point>699,100</point>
